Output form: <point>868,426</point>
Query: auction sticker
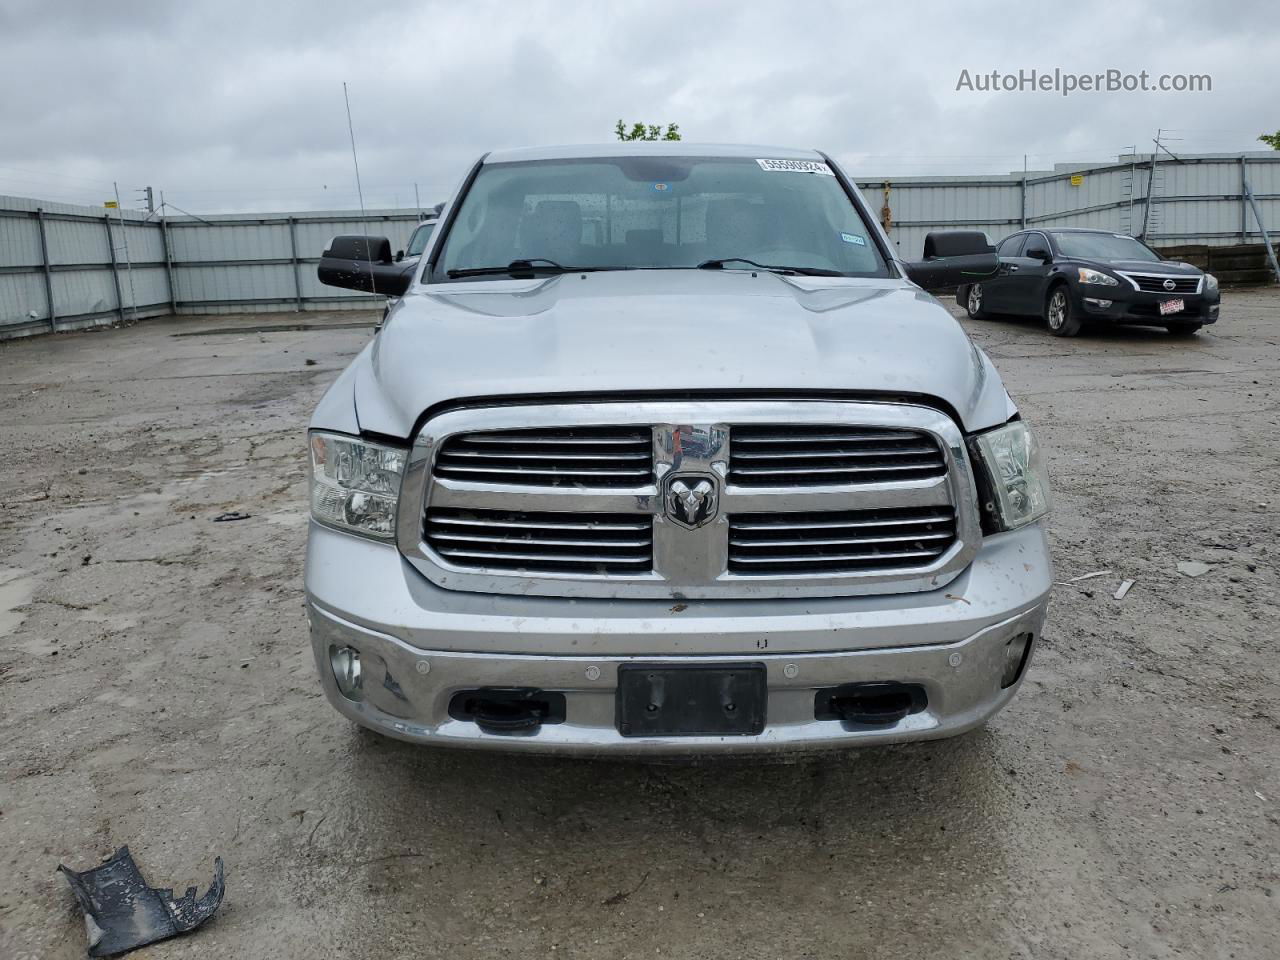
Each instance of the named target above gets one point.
<point>796,166</point>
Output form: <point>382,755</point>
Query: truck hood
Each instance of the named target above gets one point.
<point>669,330</point>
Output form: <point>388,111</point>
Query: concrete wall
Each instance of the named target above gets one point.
<point>64,267</point>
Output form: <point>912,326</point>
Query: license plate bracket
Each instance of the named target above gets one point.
<point>1172,306</point>
<point>691,699</point>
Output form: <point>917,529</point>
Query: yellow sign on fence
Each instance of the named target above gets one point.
<point>110,204</point>
<point>1077,179</point>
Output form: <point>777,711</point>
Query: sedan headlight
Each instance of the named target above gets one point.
<point>355,485</point>
<point>1016,480</point>
<point>1210,282</point>
<point>1097,277</point>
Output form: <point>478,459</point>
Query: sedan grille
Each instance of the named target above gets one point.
<point>590,543</point>
<point>1156,284</point>
<point>561,457</point>
<point>821,455</point>
<point>775,544</point>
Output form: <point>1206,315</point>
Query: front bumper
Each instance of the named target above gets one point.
<point>1143,307</point>
<point>419,645</point>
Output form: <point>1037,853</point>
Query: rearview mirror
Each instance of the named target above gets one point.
<point>363,263</point>
<point>953,257</point>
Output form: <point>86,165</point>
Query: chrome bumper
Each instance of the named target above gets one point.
<point>420,644</point>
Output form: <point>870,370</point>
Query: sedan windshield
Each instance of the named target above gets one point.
<point>1103,246</point>
<point>658,213</point>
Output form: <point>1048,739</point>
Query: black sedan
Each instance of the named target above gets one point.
<point>1073,277</point>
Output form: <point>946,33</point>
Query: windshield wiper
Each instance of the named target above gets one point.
<point>772,268</point>
<point>515,267</point>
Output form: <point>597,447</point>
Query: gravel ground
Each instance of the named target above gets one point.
<point>157,689</point>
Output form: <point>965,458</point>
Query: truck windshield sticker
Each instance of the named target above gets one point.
<point>796,166</point>
<point>853,238</point>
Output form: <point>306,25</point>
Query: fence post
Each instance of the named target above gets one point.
<point>115,266</point>
<point>1262,229</point>
<point>1024,199</point>
<point>293,263</point>
<point>168,264</point>
<point>48,278</point>
<point>1244,201</point>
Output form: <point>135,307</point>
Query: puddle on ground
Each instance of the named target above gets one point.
<point>16,590</point>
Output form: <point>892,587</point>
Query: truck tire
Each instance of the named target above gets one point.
<point>1059,315</point>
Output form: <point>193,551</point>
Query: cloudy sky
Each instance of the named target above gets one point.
<point>237,106</point>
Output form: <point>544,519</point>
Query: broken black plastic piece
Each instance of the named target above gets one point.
<point>122,913</point>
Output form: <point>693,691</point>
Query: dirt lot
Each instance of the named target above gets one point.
<point>157,689</point>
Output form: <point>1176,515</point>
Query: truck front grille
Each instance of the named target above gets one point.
<point>836,542</point>
<point>690,499</point>
<point>593,543</point>
<point>579,456</point>
<point>1153,284</point>
<point>823,455</point>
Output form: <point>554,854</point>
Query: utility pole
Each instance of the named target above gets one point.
<point>417,201</point>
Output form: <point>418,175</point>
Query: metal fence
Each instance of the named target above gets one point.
<point>1198,199</point>
<point>64,267</point>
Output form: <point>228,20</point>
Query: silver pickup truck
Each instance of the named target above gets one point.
<point>661,449</point>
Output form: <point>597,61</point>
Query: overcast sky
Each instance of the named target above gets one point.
<point>237,106</point>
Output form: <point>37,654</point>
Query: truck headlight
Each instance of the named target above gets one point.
<point>1210,282</point>
<point>355,485</point>
<point>1016,480</point>
<point>1097,277</point>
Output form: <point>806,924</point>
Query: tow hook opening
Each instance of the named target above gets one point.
<point>1016,653</point>
<point>507,710</point>
<point>874,704</point>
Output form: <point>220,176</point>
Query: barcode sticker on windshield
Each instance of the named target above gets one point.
<point>796,166</point>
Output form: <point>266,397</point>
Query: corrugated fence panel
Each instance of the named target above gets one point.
<point>76,241</point>
<point>22,299</point>
<point>19,241</point>
<point>79,292</point>
<point>228,283</point>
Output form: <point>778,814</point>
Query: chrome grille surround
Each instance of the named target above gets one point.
<point>690,439</point>
<point>1154,282</point>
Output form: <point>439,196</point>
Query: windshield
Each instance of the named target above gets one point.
<point>659,212</point>
<point>418,242</point>
<point>1103,246</point>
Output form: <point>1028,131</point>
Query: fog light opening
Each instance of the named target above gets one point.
<point>1016,653</point>
<point>345,662</point>
<point>1095,302</point>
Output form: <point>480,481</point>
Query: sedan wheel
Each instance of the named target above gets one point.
<point>973,303</point>
<point>1058,314</point>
